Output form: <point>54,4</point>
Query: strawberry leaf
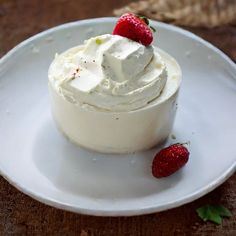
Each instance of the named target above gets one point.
<point>213,213</point>
<point>152,28</point>
<point>144,18</point>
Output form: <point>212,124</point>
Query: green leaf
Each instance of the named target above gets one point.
<point>202,213</point>
<point>152,28</point>
<point>223,211</point>
<point>144,18</point>
<point>213,213</point>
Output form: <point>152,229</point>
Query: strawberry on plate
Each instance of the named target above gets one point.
<point>135,28</point>
<point>169,160</point>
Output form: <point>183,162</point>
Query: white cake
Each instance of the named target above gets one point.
<point>114,95</point>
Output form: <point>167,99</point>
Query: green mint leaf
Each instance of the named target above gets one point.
<point>98,41</point>
<point>206,213</point>
<point>202,213</point>
<point>213,213</point>
<point>223,211</point>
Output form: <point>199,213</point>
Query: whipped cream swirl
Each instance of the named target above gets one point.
<point>109,72</point>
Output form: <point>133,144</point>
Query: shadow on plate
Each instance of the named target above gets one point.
<point>77,171</point>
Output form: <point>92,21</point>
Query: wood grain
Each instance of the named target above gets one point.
<point>21,215</point>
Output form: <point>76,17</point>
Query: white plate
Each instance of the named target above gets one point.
<point>39,161</point>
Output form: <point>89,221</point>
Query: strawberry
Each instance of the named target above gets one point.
<point>169,160</point>
<point>135,28</point>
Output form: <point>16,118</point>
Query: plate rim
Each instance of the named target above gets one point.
<point>134,212</point>
<point>140,211</point>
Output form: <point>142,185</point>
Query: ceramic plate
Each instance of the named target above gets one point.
<point>40,162</point>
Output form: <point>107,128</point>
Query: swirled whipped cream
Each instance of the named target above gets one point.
<point>109,72</point>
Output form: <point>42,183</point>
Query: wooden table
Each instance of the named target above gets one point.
<point>21,215</point>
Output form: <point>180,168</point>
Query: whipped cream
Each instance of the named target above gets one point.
<point>109,72</point>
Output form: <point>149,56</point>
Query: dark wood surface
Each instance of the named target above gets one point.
<point>21,215</point>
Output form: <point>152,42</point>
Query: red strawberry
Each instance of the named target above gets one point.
<point>169,160</point>
<point>135,28</point>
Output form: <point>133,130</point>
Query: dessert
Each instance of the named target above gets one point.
<point>113,94</point>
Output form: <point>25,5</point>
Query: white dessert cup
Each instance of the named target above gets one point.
<point>115,132</point>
